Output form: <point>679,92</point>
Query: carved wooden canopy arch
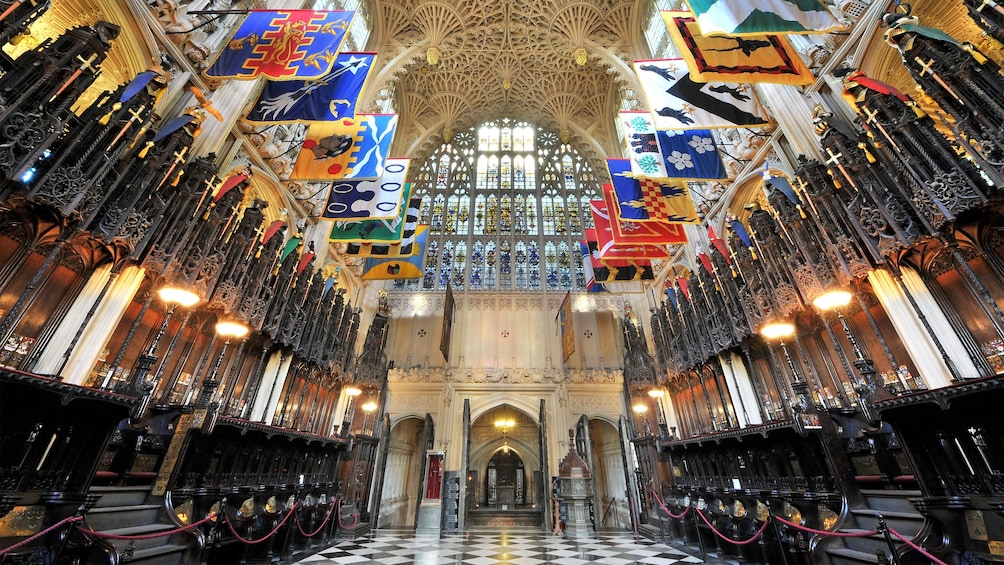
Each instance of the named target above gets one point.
<point>131,51</point>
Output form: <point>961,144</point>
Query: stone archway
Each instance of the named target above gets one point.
<point>504,482</point>
<point>400,494</point>
<point>608,474</point>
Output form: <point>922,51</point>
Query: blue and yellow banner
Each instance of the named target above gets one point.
<point>642,199</point>
<point>282,45</point>
<point>399,268</point>
<point>349,148</point>
<point>324,99</point>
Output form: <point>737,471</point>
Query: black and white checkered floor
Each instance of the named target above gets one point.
<point>388,547</point>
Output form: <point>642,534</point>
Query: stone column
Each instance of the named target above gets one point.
<point>793,113</point>
<point>275,392</point>
<point>744,399</point>
<point>102,325</point>
<point>51,359</point>
<point>268,376</point>
<point>917,341</point>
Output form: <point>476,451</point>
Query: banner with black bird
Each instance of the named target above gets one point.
<point>678,101</point>
<point>735,58</point>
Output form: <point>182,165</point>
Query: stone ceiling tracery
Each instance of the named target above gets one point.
<point>564,65</point>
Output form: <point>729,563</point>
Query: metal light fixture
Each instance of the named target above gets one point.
<point>803,412</point>
<point>368,409</point>
<point>228,329</point>
<point>173,297</point>
<point>140,385</point>
<point>178,296</point>
<point>833,299</point>
<point>867,389</point>
<point>351,392</point>
<point>505,425</point>
<point>231,329</point>
<point>641,410</point>
<point>656,395</point>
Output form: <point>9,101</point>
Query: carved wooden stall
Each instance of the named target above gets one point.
<point>140,422</point>
<point>857,436</point>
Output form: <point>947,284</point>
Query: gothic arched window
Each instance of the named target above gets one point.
<point>507,204</point>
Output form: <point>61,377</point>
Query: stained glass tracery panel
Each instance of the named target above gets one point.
<point>506,204</point>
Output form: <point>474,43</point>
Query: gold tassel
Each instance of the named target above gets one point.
<point>145,150</point>
<point>107,117</point>
<point>178,178</point>
<point>752,254</point>
<point>980,57</point>
<point>868,155</point>
<point>801,212</point>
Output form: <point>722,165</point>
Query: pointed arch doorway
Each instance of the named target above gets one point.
<point>505,482</point>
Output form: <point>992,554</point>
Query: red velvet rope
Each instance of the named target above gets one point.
<point>319,528</point>
<point>730,540</point>
<point>917,547</point>
<point>342,524</point>
<point>666,510</point>
<point>40,534</point>
<point>91,532</point>
<point>825,533</point>
<point>270,534</point>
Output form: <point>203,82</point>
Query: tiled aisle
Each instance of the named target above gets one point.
<point>388,547</point>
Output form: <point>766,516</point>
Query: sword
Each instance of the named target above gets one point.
<point>14,6</point>
<point>135,117</point>
<point>86,64</point>
<point>179,157</point>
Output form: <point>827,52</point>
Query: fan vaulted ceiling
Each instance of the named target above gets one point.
<point>564,65</point>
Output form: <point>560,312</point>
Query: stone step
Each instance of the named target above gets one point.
<point>120,496</point>
<point>145,529</point>
<point>842,556</point>
<point>906,523</point>
<point>172,554</point>
<point>111,517</point>
<point>891,500</point>
<point>867,544</point>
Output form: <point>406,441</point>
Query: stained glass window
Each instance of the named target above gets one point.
<point>506,204</point>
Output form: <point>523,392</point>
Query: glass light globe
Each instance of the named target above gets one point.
<point>231,329</point>
<point>777,330</point>
<point>832,299</point>
<point>179,296</point>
